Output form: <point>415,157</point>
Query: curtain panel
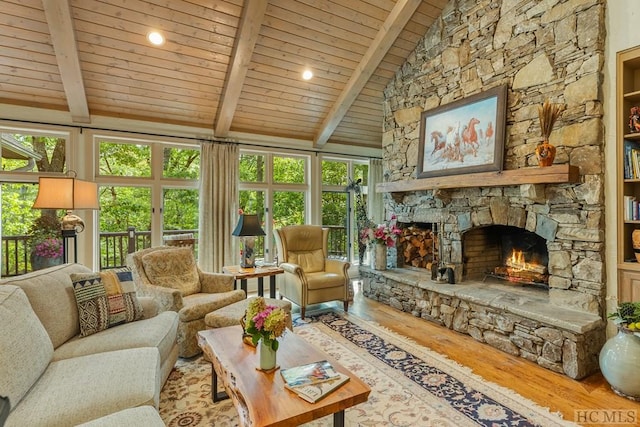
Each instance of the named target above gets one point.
<point>218,205</point>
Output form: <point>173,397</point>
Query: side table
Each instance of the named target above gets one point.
<point>260,273</point>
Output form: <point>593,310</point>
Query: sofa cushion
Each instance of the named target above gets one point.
<point>50,293</point>
<point>173,268</point>
<point>199,305</point>
<point>104,301</point>
<point>142,416</point>
<point>74,391</point>
<point>159,332</point>
<point>26,347</point>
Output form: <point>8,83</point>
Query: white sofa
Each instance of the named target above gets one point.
<point>55,377</point>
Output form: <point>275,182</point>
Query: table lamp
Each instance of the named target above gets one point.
<point>247,229</point>
<point>67,193</point>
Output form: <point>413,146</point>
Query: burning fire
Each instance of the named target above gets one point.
<point>518,270</point>
<point>518,263</point>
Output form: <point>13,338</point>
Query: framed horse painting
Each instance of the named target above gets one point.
<point>464,136</point>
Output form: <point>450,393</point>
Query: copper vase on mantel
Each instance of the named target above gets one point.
<point>546,153</point>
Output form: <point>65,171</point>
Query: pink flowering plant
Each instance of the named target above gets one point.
<point>266,322</point>
<point>49,248</point>
<point>384,234</point>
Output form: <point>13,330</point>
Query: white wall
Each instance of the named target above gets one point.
<point>622,22</point>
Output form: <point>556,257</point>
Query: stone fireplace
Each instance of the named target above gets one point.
<point>557,323</point>
<point>553,51</point>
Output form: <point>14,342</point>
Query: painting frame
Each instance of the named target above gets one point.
<point>445,142</point>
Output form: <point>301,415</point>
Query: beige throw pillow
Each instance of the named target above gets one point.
<point>173,268</point>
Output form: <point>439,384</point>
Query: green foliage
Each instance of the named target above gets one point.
<point>288,208</point>
<point>334,173</point>
<point>334,208</point>
<point>180,209</point>
<point>50,149</point>
<point>361,172</point>
<point>17,200</point>
<point>125,159</point>
<point>252,168</point>
<point>289,170</point>
<point>627,313</point>
<point>181,163</point>
<point>123,207</point>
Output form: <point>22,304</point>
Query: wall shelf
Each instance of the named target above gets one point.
<point>554,174</point>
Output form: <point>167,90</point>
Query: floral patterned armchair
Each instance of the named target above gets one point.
<point>171,276</point>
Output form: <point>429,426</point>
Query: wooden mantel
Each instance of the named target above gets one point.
<point>555,174</point>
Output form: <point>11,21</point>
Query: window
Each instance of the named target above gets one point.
<point>337,212</point>
<point>26,153</point>
<point>148,190</point>
<point>274,186</point>
<point>117,159</point>
<point>23,152</point>
<point>181,163</point>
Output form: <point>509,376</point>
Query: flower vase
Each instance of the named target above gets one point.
<point>380,257</point>
<point>619,359</point>
<point>545,153</point>
<point>267,356</point>
<point>39,262</point>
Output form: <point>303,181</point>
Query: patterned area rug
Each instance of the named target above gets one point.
<point>410,384</point>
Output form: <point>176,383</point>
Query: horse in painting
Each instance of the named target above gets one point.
<point>470,135</point>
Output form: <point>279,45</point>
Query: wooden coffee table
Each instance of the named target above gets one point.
<point>261,398</point>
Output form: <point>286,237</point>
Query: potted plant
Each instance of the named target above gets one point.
<point>620,355</point>
<point>45,242</point>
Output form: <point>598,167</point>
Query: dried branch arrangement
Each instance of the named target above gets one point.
<point>548,114</point>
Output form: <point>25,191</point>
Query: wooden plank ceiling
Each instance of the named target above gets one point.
<point>233,66</point>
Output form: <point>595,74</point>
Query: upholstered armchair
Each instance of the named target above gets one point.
<point>172,277</point>
<point>309,276</point>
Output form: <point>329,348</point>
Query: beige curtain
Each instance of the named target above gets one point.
<point>375,203</point>
<point>218,205</point>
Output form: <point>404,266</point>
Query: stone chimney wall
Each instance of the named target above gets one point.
<point>551,49</point>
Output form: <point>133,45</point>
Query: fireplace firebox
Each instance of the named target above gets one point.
<point>511,254</point>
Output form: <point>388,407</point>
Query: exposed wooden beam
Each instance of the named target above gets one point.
<point>60,21</point>
<point>248,31</point>
<point>393,25</point>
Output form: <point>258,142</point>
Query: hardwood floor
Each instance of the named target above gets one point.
<point>589,401</point>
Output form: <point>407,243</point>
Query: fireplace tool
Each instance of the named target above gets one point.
<point>439,270</point>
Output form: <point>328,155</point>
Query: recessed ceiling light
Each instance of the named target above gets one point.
<point>155,38</point>
<point>307,74</point>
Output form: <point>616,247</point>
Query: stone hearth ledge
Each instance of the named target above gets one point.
<point>520,321</point>
<point>527,302</point>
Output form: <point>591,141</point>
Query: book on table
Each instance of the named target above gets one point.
<point>313,392</point>
<point>310,373</point>
<point>313,381</point>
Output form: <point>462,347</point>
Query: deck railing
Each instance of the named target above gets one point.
<point>115,246</point>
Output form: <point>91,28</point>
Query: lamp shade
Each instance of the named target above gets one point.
<point>248,225</point>
<point>66,193</point>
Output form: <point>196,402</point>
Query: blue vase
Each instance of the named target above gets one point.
<point>38,262</point>
<point>619,359</point>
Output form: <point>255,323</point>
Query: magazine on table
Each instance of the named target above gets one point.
<point>310,373</point>
<point>316,391</point>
